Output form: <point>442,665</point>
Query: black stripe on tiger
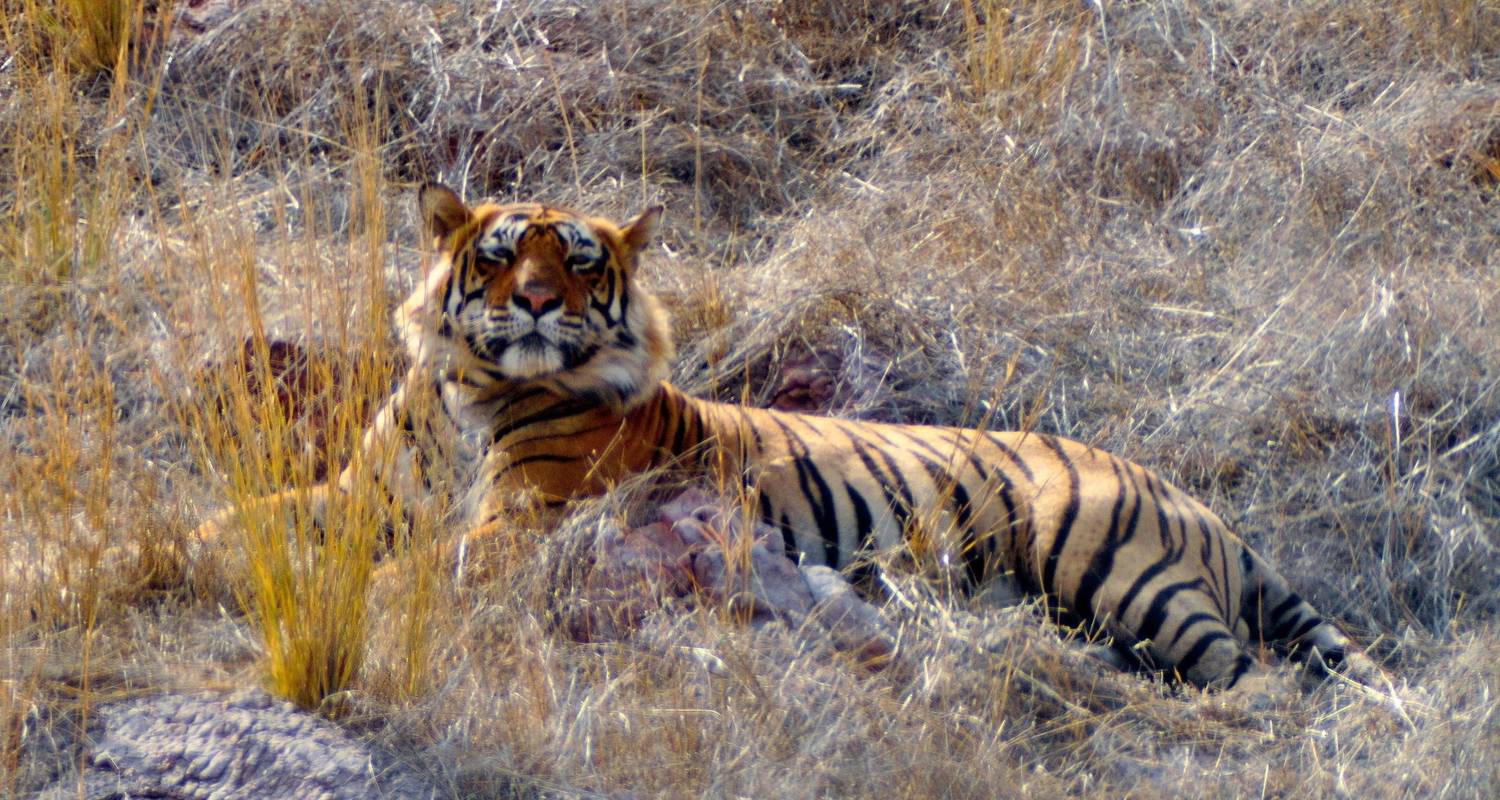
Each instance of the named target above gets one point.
<point>1277,617</point>
<point>551,414</point>
<point>1189,660</point>
<point>863,570</point>
<point>1215,571</point>
<point>946,482</point>
<point>1139,584</point>
<point>808,474</point>
<point>540,458</point>
<point>1293,635</point>
<point>1015,458</point>
<point>1188,622</point>
<point>902,504</point>
<point>788,537</point>
<point>1065,525</point>
<point>1101,564</point>
<point>560,436</point>
<point>1156,613</point>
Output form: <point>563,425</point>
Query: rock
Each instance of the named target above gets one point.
<point>727,569</point>
<point>854,625</point>
<point>195,17</point>
<point>633,570</point>
<point>697,551</point>
<point>807,385</point>
<point>826,379</point>
<point>760,584</point>
<point>241,745</point>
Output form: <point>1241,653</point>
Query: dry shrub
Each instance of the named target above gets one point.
<point>89,37</point>
<point>286,417</point>
<point>303,580</point>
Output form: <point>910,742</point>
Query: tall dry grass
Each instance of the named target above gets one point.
<point>1252,248</point>
<point>284,424</point>
<point>1020,60</point>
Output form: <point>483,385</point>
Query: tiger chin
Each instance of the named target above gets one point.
<point>532,335</point>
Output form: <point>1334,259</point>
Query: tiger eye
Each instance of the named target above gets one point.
<point>583,265</point>
<point>490,260</point>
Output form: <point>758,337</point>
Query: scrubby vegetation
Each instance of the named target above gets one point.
<point>1249,244</point>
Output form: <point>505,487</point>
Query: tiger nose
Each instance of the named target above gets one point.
<point>536,300</point>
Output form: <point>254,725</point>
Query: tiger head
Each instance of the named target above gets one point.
<point>527,293</point>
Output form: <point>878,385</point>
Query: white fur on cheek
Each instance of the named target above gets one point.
<point>623,377</point>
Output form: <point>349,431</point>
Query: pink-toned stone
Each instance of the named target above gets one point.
<point>634,570</point>
<point>762,584</point>
<point>854,625</point>
<point>194,17</point>
<point>806,385</point>
<point>697,550</point>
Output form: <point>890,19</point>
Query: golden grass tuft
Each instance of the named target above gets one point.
<point>287,423</point>
<point>1021,58</point>
<point>304,582</point>
<point>85,37</point>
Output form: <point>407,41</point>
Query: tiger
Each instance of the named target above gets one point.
<point>531,339</point>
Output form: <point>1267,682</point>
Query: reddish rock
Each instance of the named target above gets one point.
<point>807,385</point>
<point>634,569</point>
<point>196,17</point>
<point>697,551</point>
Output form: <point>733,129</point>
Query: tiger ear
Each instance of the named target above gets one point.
<point>442,210</point>
<point>636,233</point>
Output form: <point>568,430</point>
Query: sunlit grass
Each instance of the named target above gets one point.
<point>80,539</point>
<point>1021,57</point>
<point>302,562</point>
<point>300,566</point>
<point>68,161</point>
<point>82,36</point>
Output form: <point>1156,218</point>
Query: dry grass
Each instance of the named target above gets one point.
<point>1251,248</point>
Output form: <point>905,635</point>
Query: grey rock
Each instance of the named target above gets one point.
<point>854,625</point>
<point>215,746</point>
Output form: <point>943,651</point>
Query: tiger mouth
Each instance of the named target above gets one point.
<point>493,346</point>
<point>531,355</point>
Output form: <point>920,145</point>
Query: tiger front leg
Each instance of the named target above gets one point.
<point>218,548</point>
<point>386,484</point>
<point>471,540</point>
